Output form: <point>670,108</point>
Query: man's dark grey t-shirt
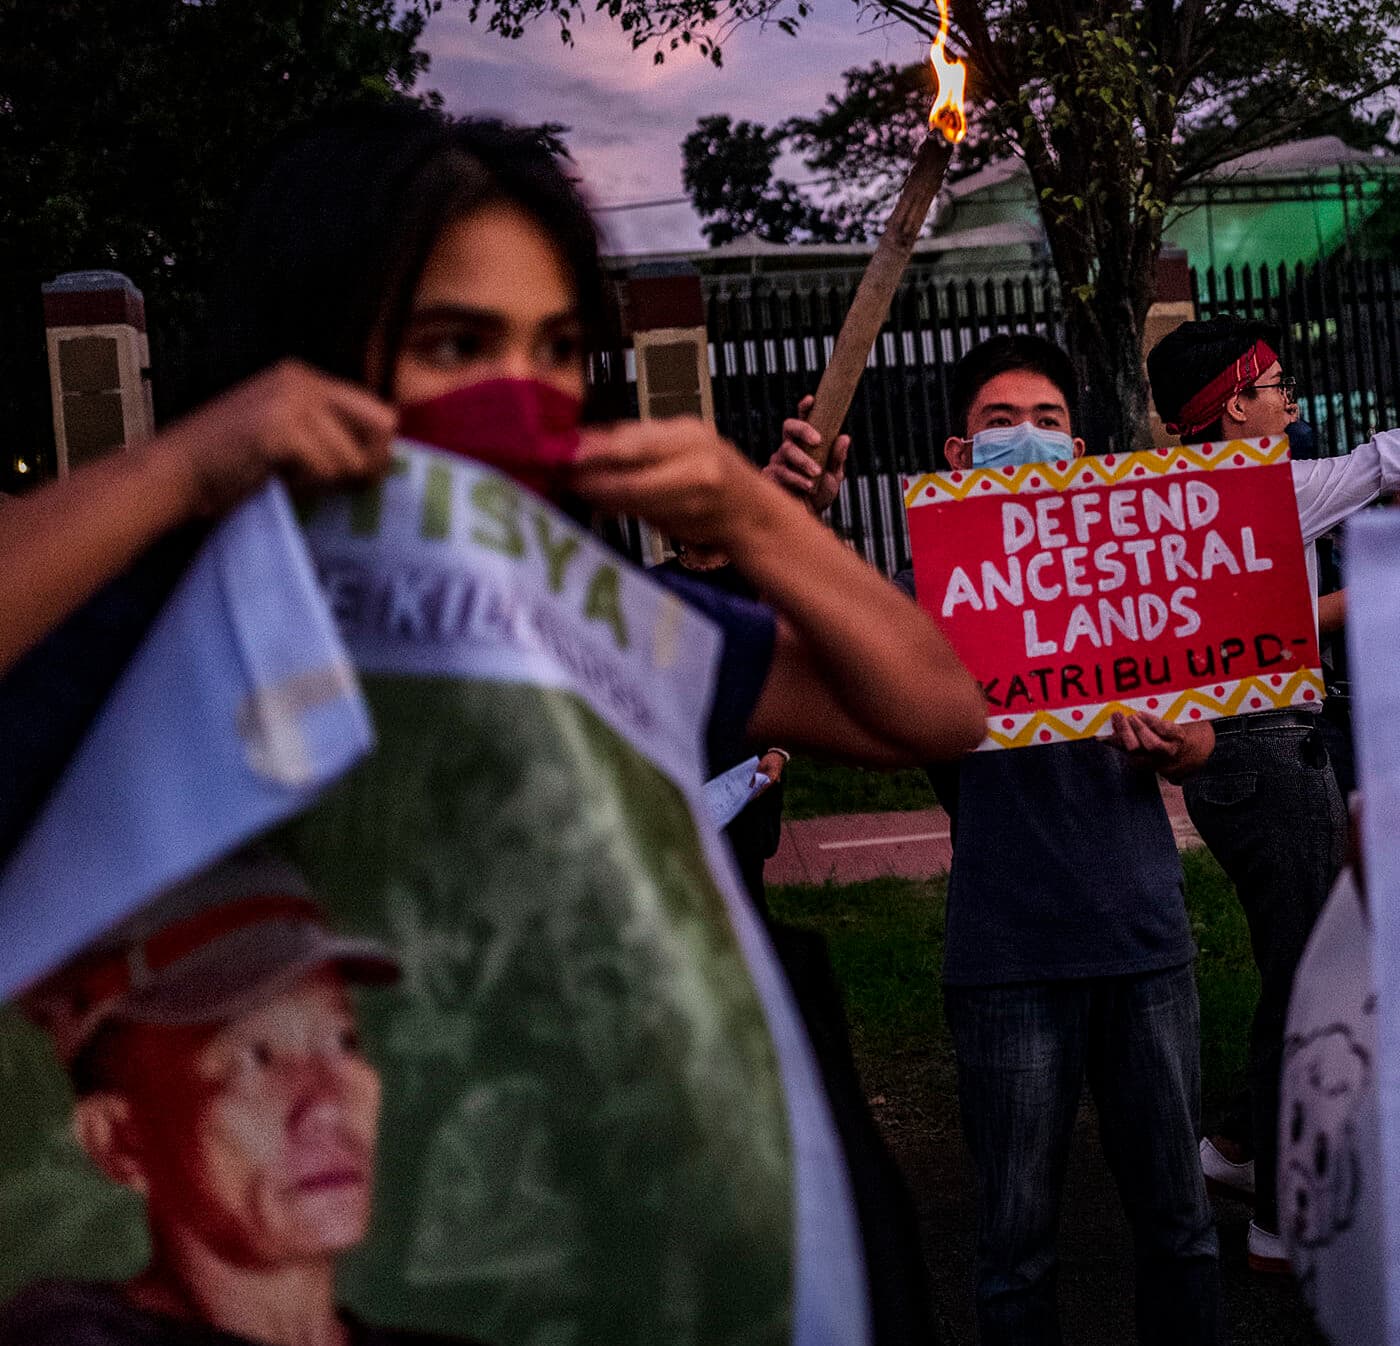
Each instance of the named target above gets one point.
<point>1064,865</point>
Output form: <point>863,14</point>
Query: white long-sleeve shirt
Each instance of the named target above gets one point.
<point>1331,489</point>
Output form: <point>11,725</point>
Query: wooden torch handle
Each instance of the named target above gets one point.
<point>872,301</point>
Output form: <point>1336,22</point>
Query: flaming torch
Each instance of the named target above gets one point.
<point>947,125</point>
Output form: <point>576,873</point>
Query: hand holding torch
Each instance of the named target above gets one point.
<point>947,126</point>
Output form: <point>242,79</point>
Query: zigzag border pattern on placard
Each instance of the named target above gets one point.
<point>938,488</point>
<point>1274,691</point>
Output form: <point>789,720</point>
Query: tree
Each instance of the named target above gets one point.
<point>1113,104</point>
<point>1114,115</point>
<point>856,146</point>
<point>126,133</point>
<point>728,175</point>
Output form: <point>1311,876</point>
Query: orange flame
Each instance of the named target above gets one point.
<point>947,114</point>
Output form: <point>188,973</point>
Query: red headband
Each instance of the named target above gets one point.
<point>1208,405</point>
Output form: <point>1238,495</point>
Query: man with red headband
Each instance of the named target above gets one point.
<point>213,1052</point>
<point>1267,803</point>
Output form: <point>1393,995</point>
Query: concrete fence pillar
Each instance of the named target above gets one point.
<point>99,365</point>
<point>665,316</point>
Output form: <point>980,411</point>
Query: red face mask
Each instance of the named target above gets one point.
<point>522,426</point>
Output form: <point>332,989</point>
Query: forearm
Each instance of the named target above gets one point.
<point>888,665</point>
<point>1332,612</point>
<point>61,543</point>
<point>1330,490</point>
<point>66,540</point>
<point>801,705</point>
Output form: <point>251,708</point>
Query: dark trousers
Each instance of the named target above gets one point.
<point>899,1305</point>
<point>1269,807</point>
<point>1024,1053</point>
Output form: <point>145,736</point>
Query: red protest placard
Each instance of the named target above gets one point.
<point>1171,581</point>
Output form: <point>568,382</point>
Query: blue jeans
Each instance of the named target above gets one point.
<point>1024,1052</point>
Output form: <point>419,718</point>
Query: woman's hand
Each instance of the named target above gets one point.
<point>858,671</point>
<point>771,764</point>
<point>316,431</point>
<point>68,538</point>
<point>679,475</point>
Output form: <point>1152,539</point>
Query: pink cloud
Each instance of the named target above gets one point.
<point>628,115</point>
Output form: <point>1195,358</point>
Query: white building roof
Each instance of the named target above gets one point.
<point>1315,155</point>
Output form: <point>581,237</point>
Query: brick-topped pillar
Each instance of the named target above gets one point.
<point>99,364</point>
<point>1172,305</point>
<point>665,314</point>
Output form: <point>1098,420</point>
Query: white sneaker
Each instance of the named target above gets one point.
<point>1224,1177</point>
<point>1267,1252</point>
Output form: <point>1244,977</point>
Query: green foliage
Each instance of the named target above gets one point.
<point>126,133</point>
<point>857,146</point>
<point>1115,108</point>
<point>866,131</point>
<point>821,790</point>
<point>862,137</point>
<point>728,174</point>
<point>663,26</point>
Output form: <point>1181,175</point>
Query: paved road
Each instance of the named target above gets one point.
<point>912,845</point>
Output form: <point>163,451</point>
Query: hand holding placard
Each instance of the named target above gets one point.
<point>1172,750</point>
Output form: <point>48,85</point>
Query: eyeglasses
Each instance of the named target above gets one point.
<point>1287,386</point>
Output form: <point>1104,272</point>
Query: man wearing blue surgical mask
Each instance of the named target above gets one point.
<point>1017,416</point>
<point>1068,950</point>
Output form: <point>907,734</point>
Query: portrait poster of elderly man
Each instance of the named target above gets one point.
<point>217,1071</point>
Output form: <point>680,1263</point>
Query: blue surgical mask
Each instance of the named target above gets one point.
<point>1024,443</point>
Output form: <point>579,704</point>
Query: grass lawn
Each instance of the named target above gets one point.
<point>818,790</point>
<point>886,940</point>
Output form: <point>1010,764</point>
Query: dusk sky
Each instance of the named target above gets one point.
<point>628,116</point>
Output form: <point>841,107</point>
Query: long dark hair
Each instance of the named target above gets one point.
<point>334,237</point>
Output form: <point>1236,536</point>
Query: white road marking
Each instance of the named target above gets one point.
<point>882,841</point>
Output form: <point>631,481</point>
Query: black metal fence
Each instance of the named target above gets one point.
<point>1340,326</point>
<point>770,341</point>
<point>770,337</point>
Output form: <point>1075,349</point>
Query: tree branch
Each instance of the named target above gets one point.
<point>1236,144</point>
